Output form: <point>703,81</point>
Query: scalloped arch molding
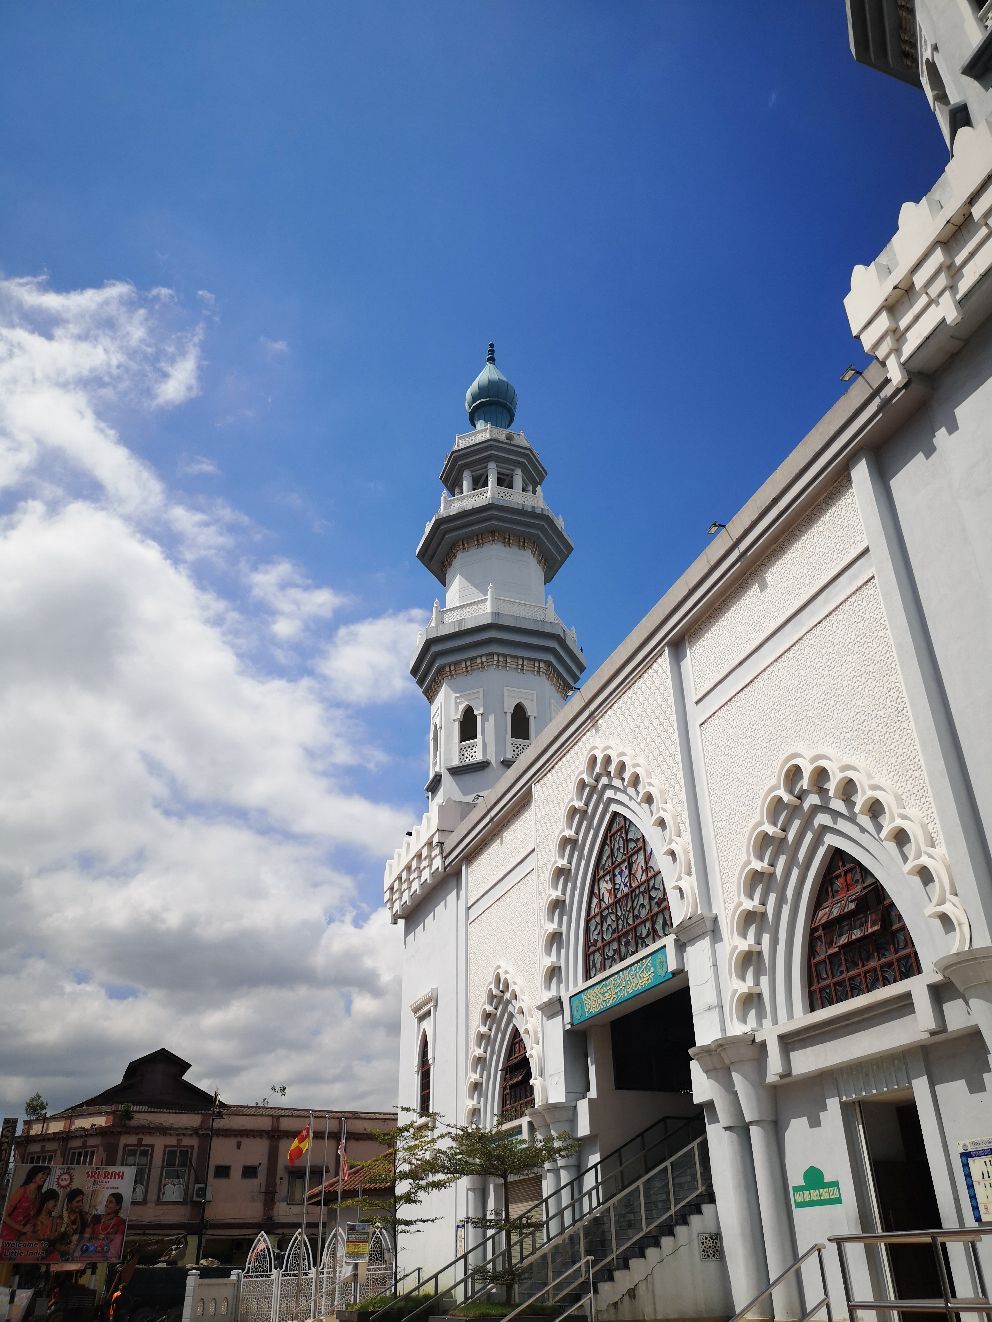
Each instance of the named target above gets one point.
<point>607,769</point>
<point>800,778</point>
<point>503,997</point>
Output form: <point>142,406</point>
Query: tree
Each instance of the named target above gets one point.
<point>400,1177</point>
<point>276,1091</point>
<point>501,1154</point>
<point>35,1108</point>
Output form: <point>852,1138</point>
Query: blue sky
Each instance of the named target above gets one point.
<point>652,208</point>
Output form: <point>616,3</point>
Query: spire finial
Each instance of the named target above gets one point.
<point>491,353</point>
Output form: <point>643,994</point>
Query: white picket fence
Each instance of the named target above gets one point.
<point>299,1291</point>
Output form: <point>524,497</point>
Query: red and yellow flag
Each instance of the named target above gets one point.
<point>299,1144</point>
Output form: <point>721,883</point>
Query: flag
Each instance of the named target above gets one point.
<point>299,1144</point>
<point>343,1161</point>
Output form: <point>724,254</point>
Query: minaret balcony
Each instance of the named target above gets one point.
<point>497,508</point>
<point>492,607</point>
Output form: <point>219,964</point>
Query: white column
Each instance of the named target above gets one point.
<point>475,1211</point>
<point>734,1184</point>
<point>466,482</point>
<point>747,1062</point>
<point>518,480</point>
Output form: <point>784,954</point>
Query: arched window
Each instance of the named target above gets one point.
<point>435,746</point>
<point>468,726</point>
<point>516,1090</point>
<point>858,941</point>
<point>628,908</point>
<point>424,1077</point>
<point>519,722</point>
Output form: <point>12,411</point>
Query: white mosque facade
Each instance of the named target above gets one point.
<point>740,881</point>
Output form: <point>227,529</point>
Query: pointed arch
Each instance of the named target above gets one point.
<point>610,781</point>
<point>841,801</point>
<point>505,1010</point>
<point>260,1260</point>
<point>299,1255</point>
<point>423,1074</point>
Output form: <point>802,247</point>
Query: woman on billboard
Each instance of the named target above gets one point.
<point>22,1206</point>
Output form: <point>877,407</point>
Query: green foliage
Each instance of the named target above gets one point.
<point>397,1308</point>
<point>35,1107</point>
<point>275,1093</point>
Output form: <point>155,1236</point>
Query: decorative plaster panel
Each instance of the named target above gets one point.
<point>507,933</point>
<point>828,538</point>
<point>837,688</point>
<point>503,851</point>
<point>642,723</point>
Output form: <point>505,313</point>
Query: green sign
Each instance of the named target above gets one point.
<point>616,987</point>
<point>815,1191</point>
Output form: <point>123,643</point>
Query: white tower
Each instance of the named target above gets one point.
<point>495,662</point>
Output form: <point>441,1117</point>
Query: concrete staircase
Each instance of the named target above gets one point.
<point>665,1276</point>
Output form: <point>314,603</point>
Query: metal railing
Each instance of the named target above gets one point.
<point>558,1212</point>
<point>618,1226</point>
<point>578,1269</point>
<point>809,1311</point>
<point>950,1304</point>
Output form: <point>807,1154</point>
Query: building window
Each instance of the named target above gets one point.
<point>141,1159</point>
<point>435,747</point>
<point>468,736</point>
<point>295,1186</point>
<point>858,941</point>
<point>42,1158</point>
<point>249,1172</point>
<point>424,1077</point>
<point>222,1172</point>
<point>175,1174</point>
<point>519,730</point>
<point>80,1157</point>
<point>516,1089</point>
<point>628,908</point>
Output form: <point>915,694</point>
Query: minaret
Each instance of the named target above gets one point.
<point>495,662</point>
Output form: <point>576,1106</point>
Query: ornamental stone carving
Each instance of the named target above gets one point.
<point>504,1008</point>
<point>611,774</point>
<point>802,781</point>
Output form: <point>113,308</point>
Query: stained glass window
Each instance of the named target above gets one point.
<point>628,908</point>
<point>424,1077</point>
<point>858,941</point>
<point>516,1092</point>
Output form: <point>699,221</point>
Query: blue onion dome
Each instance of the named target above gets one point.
<point>490,400</point>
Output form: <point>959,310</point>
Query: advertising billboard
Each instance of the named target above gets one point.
<point>66,1214</point>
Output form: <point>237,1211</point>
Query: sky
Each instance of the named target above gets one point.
<point>251,254</point>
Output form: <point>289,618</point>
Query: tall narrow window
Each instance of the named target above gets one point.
<point>516,1090</point>
<point>435,747</point>
<point>858,941</point>
<point>519,729</point>
<point>628,908</point>
<point>468,736</point>
<point>424,1077</point>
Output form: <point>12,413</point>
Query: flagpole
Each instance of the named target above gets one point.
<point>320,1227</point>
<point>303,1223</point>
<point>340,1256</point>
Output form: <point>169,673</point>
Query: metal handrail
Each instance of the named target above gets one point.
<point>949,1304</point>
<point>644,1225</point>
<point>587,1190</point>
<point>587,1262</point>
<point>766,1293</point>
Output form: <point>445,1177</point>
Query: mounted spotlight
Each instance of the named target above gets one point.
<point>715,527</point>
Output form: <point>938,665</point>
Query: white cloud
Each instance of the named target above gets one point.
<point>180,825</point>
<point>293,602</point>
<point>274,348</point>
<point>369,661</point>
<point>198,465</point>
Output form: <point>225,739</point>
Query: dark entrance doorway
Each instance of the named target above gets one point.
<point>904,1194</point>
<point>651,1046</point>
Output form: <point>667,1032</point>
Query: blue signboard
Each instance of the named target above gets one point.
<point>614,988</point>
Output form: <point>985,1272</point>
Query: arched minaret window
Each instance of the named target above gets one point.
<point>628,908</point>
<point>435,747</point>
<point>858,941</point>
<point>468,735</point>
<point>519,729</point>
<point>424,1077</point>
<point>516,1089</point>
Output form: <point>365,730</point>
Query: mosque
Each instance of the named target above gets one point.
<point>725,915</point>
